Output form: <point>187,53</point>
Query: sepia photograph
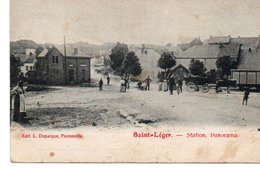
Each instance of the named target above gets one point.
<point>141,81</point>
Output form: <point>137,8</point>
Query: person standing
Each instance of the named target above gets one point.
<point>171,84</point>
<point>122,85</point>
<point>246,95</point>
<point>147,81</point>
<point>19,103</point>
<point>179,82</point>
<point>108,79</point>
<point>100,84</point>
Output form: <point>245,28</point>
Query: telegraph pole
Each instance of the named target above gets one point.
<point>65,63</point>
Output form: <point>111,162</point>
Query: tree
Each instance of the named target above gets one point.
<point>14,69</point>
<point>131,64</point>
<point>117,56</point>
<point>107,62</point>
<point>166,61</point>
<point>224,65</point>
<point>197,68</point>
<point>212,75</point>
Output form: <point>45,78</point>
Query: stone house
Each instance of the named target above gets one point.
<point>73,66</point>
<point>148,57</point>
<point>27,60</point>
<point>208,54</point>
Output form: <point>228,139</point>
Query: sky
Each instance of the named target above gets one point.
<point>133,22</point>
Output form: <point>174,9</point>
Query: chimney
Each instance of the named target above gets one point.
<point>76,51</point>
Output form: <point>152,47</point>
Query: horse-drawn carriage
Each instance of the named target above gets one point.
<point>204,84</point>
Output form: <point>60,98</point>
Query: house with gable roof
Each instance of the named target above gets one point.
<point>208,54</point>
<point>244,50</point>
<point>148,57</point>
<point>62,67</point>
<point>185,46</point>
<point>249,57</point>
<point>27,60</point>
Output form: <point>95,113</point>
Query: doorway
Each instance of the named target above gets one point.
<point>71,75</point>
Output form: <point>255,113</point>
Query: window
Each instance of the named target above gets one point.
<point>27,68</point>
<point>83,65</point>
<point>145,52</point>
<point>250,50</point>
<point>31,68</point>
<point>57,59</point>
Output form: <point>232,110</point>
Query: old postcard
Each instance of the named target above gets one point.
<point>135,81</point>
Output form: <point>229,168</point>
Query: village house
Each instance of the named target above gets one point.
<point>101,63</point>
<point>62,67</point>
<point>245,50</point>
<point>185,46</point>
<point>249,57</point>
<point>208,54</point>
<point>27,60</point>
<point>29,64</point>
<point>174,50</point>
<point>148,57</point>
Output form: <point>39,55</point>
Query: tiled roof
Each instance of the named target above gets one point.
<point>200,51</point>
<point>211,51</point>
<point>44,52</point>
<point>176,50</point>
<point>231,50</point>
<point>195,41</point>
<point>219,40</point>
<point>184,47</point>
<point>72,52</point>
<point>158,49</point>
<point>247,42</point>
<point>30,59</point>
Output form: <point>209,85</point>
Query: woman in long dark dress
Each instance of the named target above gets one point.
<point>19,103</point>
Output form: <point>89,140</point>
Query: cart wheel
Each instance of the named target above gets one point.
<point>191,87</point>
<point>228,90</point>
<point>205,88</point>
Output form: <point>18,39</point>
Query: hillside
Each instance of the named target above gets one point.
<point>21,45</point>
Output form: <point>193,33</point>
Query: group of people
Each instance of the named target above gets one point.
<point>172,84</point>
<point>145,87</point>
<point>124,84</point>
<point>19,113</point>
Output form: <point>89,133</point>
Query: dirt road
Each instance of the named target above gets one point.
<point>69,107</point>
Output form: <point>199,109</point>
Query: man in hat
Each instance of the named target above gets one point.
<point>171,84</point>
<point>148,81</point>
